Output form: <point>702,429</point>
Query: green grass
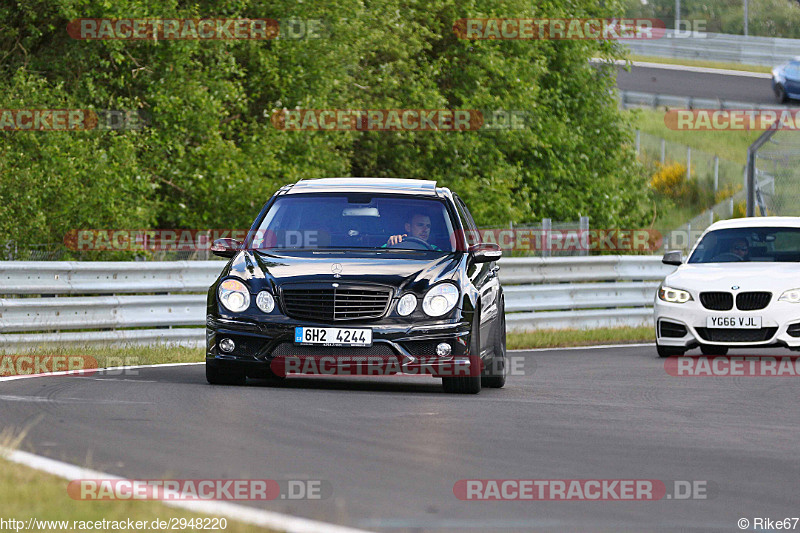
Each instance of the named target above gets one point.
<point>28,493</point>
<point>112,356</point>
<point>556,338</point>
<point>701,63</point>
<point>730,145</point>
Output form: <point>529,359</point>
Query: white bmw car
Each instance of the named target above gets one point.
<point>740,287</point>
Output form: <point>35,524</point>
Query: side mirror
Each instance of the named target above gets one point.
<point>225,247</point>
<point>674,257</point>
<point>485,252</point>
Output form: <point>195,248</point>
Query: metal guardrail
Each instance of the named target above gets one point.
<point>45,304</point>
<point>765,51</point>
<point>580,292</point>
<point>637,99</point>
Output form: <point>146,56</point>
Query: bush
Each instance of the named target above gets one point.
<point>211,157</point>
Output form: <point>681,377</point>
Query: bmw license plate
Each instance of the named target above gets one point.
<point>734,322</point>
<point>333,336</point>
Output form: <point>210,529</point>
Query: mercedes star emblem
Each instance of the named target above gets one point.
<point>336,268</point>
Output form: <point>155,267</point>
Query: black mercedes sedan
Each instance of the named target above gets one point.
<point>345,276</point>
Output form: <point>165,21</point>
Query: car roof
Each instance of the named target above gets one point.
<point>366,185</point>
<point>756,222</point>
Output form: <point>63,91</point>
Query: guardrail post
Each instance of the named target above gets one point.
<point>663,150</point>
<point>716,173</point>
<point>638,142</point>
<point>547,225</point>
<point>688,163</point>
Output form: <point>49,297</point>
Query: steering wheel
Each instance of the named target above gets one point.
<point>728,257</point>
<point>423,245</point>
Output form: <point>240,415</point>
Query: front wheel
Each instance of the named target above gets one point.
<point>780,94</point>
<point>469,384</point>
<point>494,374</point>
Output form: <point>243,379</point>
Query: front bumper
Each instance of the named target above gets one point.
<point>410,348</point>
<point>780,326</point>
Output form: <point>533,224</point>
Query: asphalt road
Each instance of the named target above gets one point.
<point>696,84</point>
<point>393,448</point>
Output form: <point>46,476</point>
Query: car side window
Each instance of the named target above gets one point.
<point>470,228</point>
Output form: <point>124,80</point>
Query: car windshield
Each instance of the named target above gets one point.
<point>792,70</point>
<point>356,221</point>
<point>748,245</point>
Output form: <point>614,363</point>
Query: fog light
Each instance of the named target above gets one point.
<point>443,349</point>
<point>226,345</point>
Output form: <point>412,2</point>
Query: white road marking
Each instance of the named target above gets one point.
<point>92,371</point>
<point>588,347</point>
<point>45,399</point>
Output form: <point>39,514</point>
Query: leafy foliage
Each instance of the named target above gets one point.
<point>210,156</point>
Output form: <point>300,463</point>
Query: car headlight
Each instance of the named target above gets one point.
<point>440,299</point>
<point>265,301</point>
<point>675,296</point>
<point>792,296</point>
<point>234,296</point>
<point>406,305</point>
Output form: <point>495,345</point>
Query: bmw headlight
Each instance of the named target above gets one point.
<point>406,305</point>
<point>675,296</point>
<point>440,299</point>
<point>233,295</point>
<point>265,301</point>
<point>792,296</point>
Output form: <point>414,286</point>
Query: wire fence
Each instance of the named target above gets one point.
<point>711,171</point>
<point>778,175</point>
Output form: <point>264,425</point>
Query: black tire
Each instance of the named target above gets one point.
<point>494,373</point>
<point>713,350</point>
<point>669,351</point>
<point>469,384</point>
<point>217,376</point>
<point>780,94</point>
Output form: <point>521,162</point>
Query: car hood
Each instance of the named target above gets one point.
<point>412,271</point>
<point>747,276</point>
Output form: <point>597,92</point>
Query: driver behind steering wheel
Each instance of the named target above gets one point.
<point>419,226</point>
<point>740,248</point>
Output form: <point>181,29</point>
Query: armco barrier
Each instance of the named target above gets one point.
<point>580,292</point>
<point>44,303</point>
<point>765,51</point>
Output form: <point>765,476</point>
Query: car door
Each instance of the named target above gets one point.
<point>485,280</point>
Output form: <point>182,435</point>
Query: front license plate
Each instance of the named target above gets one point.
<point>333,336</point>
<point>734,322</point>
